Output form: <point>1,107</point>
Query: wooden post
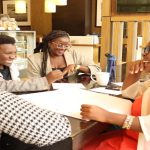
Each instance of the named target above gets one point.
<point>117,40</point>
<point>105,41</point>
<point>117,46</point>
<point>145,32</point>
<point>131,41</point>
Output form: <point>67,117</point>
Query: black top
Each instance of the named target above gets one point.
<point>6,73</point>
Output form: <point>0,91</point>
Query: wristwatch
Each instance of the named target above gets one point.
<point>77,67</point>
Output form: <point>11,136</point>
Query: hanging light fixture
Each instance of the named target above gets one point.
<point>60,2</point>
<point>50,6</point>
<point>20,6</point>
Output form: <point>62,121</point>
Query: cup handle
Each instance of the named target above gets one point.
<point>91,76</point>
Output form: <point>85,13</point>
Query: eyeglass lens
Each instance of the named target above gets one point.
<point>146,50</point>
<point>60,45</point>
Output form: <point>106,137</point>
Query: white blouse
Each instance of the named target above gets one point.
<point>136,89</point>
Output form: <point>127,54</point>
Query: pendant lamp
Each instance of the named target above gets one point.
<point>50,6</point>
<point>60,2</point>
<point>20,6</point>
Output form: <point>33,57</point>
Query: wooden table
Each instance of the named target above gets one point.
<point>83,131</point>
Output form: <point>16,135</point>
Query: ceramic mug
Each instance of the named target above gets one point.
<point>102,78</point>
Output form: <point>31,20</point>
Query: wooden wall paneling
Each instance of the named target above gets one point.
<point>40,22</point>
<point>75,18</point>
<point>145,32</point>
<point>117,46</point>
<point>106,8</point>
<point>1,7</point>
<point>132,28</point>
<point>94,28</point>
<point>105,40</point>
<point>117,40</point>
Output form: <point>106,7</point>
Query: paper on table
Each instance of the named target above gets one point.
<point>117,83</point>
<point>106,91</point>
<point>68,101</point>
<point>67,85</point>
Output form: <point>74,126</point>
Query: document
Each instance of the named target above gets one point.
<point>106,91</point>
<point>68,101</point>
<point>67,85</point>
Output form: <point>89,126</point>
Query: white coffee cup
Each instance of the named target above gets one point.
<point>102,78</point>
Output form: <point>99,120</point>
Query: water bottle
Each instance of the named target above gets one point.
<point>111,66</point>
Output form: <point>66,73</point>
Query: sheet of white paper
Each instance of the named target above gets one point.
<point>105,91</point>
<point>117,83</point>
<point>68,101</point>
<point>67,85</point>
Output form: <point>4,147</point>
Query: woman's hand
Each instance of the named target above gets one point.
<point>92,112</point>
<point>139,66</point>
<point>136,67</point>
<point>69,69</point>
<point>54,76</point>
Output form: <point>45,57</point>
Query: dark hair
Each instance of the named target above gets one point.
<point>146,49</point>
<point>45,49</point>
<point>5,39</point>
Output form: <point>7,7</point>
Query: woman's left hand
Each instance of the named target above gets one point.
<point>92,112</point>
<point>69,69</point>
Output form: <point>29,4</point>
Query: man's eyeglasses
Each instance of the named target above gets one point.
<point>145,50</point>
<point>61,45</point>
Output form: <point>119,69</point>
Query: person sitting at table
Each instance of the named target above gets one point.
<point>138,78</point>
<point>55,54</point>
<point>132,88</point>
<point>9,74</point>
<point>31,127</point>
<point>135,134</point>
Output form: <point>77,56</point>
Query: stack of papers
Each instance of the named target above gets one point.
<point>106,91</point>
<point>67,85</point>
<point>68,101</point>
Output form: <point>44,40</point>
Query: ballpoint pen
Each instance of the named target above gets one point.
<point>146,61</point>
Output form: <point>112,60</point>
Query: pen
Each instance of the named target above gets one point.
<point>146,61</point>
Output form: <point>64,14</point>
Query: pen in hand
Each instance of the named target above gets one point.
<point>146,61</point>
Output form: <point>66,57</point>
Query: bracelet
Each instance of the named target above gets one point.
<point>77,67</point>
<point>128,122</point>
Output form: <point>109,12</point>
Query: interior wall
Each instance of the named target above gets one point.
<point>77,18</point>
<point>94,28</point>
<point>73,18</point>
<point>42,22</point>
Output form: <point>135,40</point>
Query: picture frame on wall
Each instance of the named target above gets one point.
<point>22,19</point>
<point>98,13</point>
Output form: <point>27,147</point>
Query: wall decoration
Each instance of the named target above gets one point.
<point>23,19</point>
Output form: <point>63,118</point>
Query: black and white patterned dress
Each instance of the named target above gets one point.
<point>29,123</point>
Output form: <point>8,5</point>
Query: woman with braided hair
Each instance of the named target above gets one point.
<point>56,56</point>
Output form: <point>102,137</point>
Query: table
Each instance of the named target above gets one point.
<point>83,132</point>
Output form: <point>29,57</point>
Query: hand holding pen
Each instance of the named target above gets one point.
<point>139,66</point>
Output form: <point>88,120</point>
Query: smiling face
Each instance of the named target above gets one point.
<point>7,54</point>
<point>59,46</point>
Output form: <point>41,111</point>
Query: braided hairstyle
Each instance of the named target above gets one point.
<point>46,49</point>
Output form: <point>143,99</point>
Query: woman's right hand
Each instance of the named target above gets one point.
<point>137,67</point>
<point>54,76</point>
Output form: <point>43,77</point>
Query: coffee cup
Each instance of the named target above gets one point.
<point>102,78</point>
